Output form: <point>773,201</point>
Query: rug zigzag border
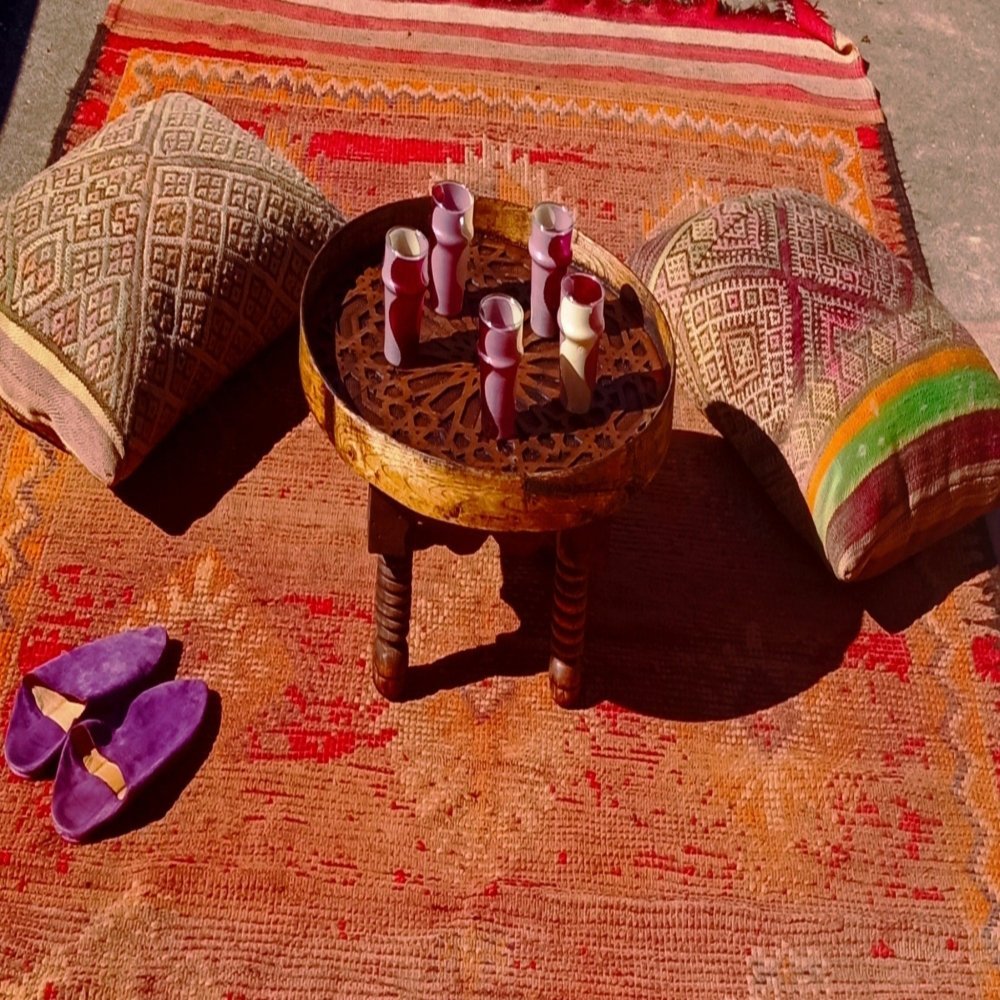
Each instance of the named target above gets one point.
<point>27,517</point>
<point>200,76</point>
<point>273,75</point>
<point>956,734</point>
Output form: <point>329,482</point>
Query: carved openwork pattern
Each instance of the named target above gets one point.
<point>435,405</point>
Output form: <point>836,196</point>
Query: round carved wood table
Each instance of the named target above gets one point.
<point>413,433</point>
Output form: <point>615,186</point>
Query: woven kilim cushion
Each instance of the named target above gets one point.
<point>141,270</point>
<point>834,371</point>
<point>780,786</point>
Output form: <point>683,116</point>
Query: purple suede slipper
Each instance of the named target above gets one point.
<point>82,682</point>
<point>101,770</point>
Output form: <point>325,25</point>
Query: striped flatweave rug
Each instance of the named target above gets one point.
<point>779,786</point>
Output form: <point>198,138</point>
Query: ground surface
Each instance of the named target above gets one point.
<point>937,70</point>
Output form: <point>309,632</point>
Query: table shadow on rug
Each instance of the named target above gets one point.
<point>705,605</point>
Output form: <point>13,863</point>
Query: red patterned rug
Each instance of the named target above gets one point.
<point>780,785</point>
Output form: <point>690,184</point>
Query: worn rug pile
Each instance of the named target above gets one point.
<point>779,785</point>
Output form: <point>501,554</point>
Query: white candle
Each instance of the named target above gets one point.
<point>581,323</point>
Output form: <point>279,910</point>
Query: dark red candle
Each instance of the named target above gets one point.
<point>451,223</point>
<point>404,275</point>
<point>551,247</point>
<point>501,326</point>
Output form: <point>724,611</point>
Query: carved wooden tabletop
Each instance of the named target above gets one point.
<point>414,433</point>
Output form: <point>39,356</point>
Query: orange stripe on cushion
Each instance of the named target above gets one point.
<point>867,408</point>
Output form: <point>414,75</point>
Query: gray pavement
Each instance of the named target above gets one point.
<point>937,68</point>
<point>53,61</point>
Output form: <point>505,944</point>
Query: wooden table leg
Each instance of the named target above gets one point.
<point>390,537</point>
<point>393,592</point>
<point>569,614</point>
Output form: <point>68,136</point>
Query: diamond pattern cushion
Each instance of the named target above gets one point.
<point>141,270</point>
<point>866,411</point>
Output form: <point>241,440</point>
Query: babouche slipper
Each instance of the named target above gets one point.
<point>102,769</point>
<point>82,682</point>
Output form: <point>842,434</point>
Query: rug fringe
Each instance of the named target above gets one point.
<point>803,15</point>
<point>782,8</point>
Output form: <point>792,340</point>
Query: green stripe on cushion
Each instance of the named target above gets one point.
<point>901,421</point>
<point>952,468</point>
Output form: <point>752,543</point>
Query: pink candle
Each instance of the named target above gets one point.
<point>404,275</point>
<point>451,223</point>
<point>551,247</point>
<point>501,344</point>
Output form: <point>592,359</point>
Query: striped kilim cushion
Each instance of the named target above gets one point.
<point>835,372</point>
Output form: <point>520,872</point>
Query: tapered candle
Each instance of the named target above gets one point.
<point>404,276</point>
<point>551,247</point>
<point>581,325</point>
<point>500,347</point>
<point>451,223</point>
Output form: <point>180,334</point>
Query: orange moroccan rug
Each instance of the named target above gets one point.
<point>780,785</point>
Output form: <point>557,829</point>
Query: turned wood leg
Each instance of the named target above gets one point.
<point>390,537</point>
<point>393,594</point>
<point>569,614</point>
